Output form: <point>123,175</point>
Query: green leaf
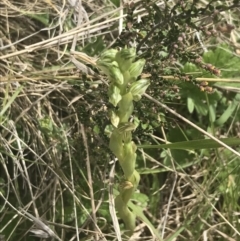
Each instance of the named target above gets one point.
<point>96,129</point>
<point>228,112</point>
<point>190,105</point>
<point>146,171</point>
<point>95,46</point>
<point>189,67</point>
<point>43,18</point>
<point>141,198</point>
<point>195,144</point>
<point>139,212</point>
<point>223,58</point>
<point>198,98</point>
<point>212,114</point>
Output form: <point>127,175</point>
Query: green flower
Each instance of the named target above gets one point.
<point>109,55</point>
<point>125,57</point>
<point>116,145</point>
<point>114,118</point>
<point>112,71</point>
<point>128,159</point>
<point>138,88</point>
<point>114,94</point>
<point>136,69</point>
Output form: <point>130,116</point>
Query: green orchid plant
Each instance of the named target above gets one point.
<point>124,89</point>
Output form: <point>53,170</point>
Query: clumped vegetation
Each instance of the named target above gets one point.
<point>61,108</point>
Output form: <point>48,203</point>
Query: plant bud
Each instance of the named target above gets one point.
<point>114,119</point>
<point>116,145</point>
<point>126,185</point>
<point>137,97</point>
<point>128,159</point>
<point>114,94</point>
<point>136,178</point>
<point>104,66</point>
<point>112,71</point>
<point>126,126</point>
<point>116,75</point>
<point>108,55</point>
<point>127,136</point>
<point>136,68</point>
<point>138,88</point>
<point>126,189</point>
<point>125,57</point>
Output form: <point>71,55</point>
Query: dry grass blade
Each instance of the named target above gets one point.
<point>44,231</point>
<point>36,126</point>
<point>90,181</point>
<point>112,206</point>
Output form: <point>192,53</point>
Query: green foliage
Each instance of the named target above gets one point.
<point>94,47</point>
<point>223,58</point>
<point>42,18</point>
<point>198,100</point>
<point>232,107</point>
<point>52,132</point>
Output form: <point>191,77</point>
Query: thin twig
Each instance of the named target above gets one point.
<point>112,205</point>
<point>90,182</point>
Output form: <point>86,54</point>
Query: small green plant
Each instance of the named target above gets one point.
<point>124,89</point>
